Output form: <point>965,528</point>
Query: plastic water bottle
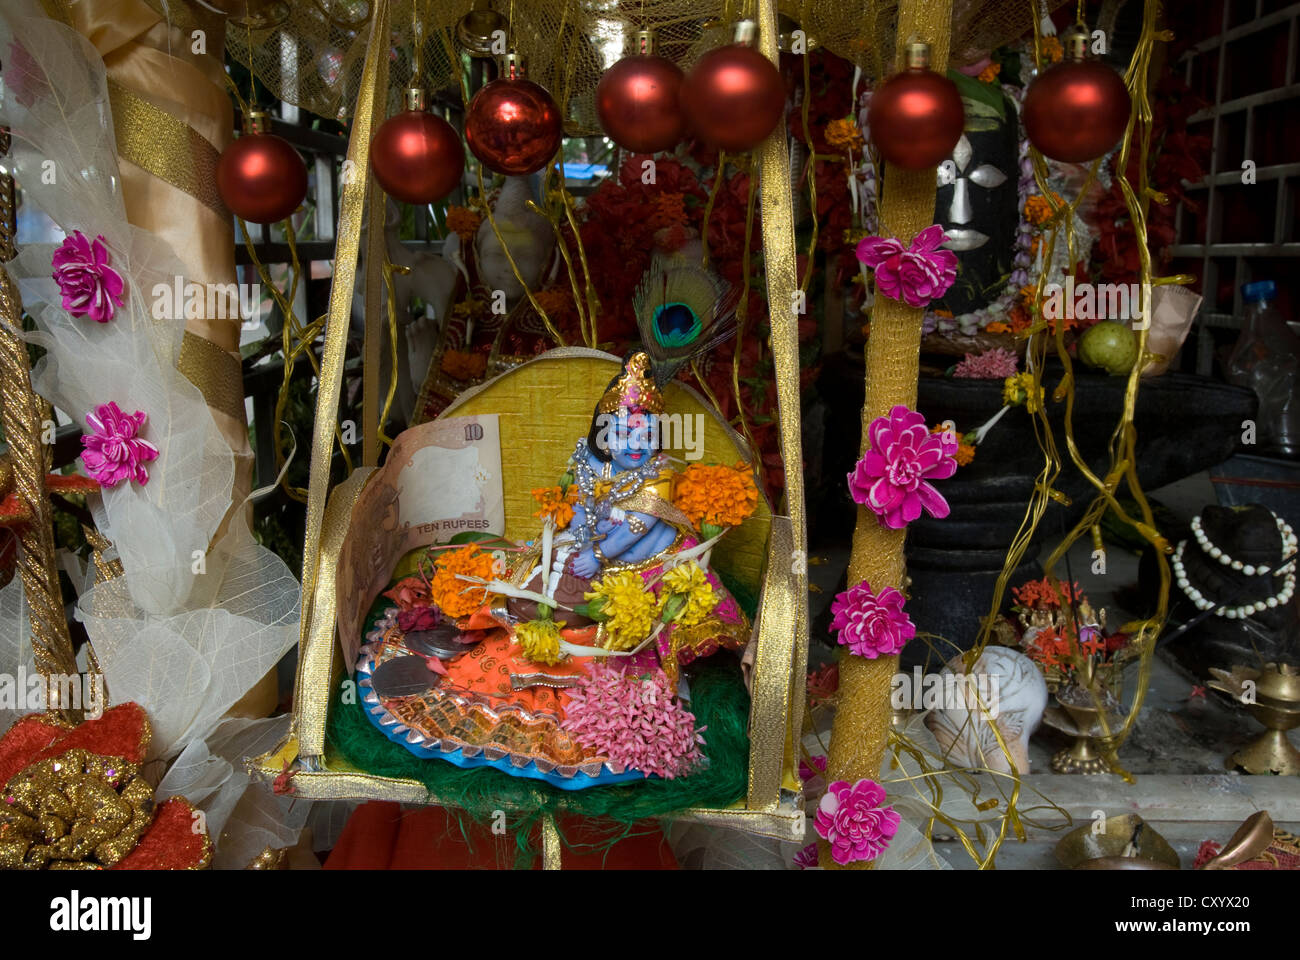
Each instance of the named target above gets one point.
<point>1267,359</point>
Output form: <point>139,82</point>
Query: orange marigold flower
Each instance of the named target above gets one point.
<point>555,506</point>
<point>463,221</point>
<point>943,312</point>
<point>965,454</point>
<point>1038,211</point>
<point>554,301</point>
<point>716,495</point>
<point>669,211</point>
<point>455,597</point>
<point>843,134</point>
<point>997,326</point>
<point>1052,49</point>
<point>989,73</point>
<point>463,365</point>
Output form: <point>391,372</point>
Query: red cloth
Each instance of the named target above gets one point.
<point>382,836</point>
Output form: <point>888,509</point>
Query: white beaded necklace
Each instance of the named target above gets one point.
<point>1288,548</point>
<point>1203,602</point>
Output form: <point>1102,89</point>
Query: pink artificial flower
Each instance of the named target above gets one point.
<point>114,451</point>
<point>88,284</point>
<point>892,476</point>
<point>806,858</point>
<point>812,767</point>
<point>852,820</point>
<point>996,364</point>
<point>916,274</point>
<point>871,625</point>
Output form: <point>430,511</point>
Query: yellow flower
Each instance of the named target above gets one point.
<point>455,597</point>
<point>1019,389</point>
<point>688,581</point>
<point>626,606</point>
<point>843,134</point>
<point>540,640</point>
<point>720,496</point>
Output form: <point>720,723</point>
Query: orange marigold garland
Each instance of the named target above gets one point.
<point>453,596</point>
<point>556,505</point>
<point>716,497</point>
<point>463,221</point>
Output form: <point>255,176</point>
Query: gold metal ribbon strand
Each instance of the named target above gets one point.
<point>370,100</point>
<point>782,637</point>
<point>861,729</point>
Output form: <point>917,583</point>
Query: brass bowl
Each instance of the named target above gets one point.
<point>1086,848</point>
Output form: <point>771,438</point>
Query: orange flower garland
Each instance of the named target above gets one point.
<point>716,496</point>
<point>456,597</point>
<point>556,506</point>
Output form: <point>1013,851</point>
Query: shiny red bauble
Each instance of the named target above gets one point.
<point>637,102</point>
<point>915,119</point>
<point>417,157</point>
<point>1076,111</point>
<point>261,178</point>
<point>513,126</point>
<point>733,98</point>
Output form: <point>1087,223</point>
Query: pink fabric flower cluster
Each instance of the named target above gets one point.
<point>633,721</point>
<point>892,476</point>
<point>114,451</point>
<point>915,274</point>
<point>418,618</point>
<point>995,364</point>
<point>852,820</point>
<point>871,625</point>
<point>806,858</point>
<point>88,284</point>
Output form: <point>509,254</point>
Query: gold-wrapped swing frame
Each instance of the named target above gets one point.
<point>773,804</point>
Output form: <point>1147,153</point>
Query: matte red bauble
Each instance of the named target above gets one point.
<point>1076,110</point>
<point>417,157</point>
<point>733,98</point>
<point>916,116</point>
<point>513,126</point>
<point>637,102</point>
<point>260,177</point>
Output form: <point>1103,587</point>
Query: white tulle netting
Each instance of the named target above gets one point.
<point>194,622</point>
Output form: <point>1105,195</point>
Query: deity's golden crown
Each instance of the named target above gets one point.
<point>635,390</point>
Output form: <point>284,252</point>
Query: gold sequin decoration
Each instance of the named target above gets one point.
<point>80,810</point>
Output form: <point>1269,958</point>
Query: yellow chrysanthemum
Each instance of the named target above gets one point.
<point>1020,389</point>
<point>688,581</point>
<point>540,640</point>
<point>626,606</point>
<point>455,597</point>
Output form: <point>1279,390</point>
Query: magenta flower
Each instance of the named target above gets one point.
<point>871,625</point>
<point>88,284</point>
<point>806,858</point>
<point>812,767</point>
<point>418,618</point>
<point>892,476</point>
<point>916,274</point>
<point>114,451</point>
<point>995,364</point>
<point>852,820</point>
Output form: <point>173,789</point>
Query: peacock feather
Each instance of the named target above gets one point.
<point>683,309</point>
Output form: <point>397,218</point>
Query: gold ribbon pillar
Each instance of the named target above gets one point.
<point>861,730</point>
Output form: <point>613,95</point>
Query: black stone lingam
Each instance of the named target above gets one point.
<point>1249,535</point>
<point>1184,424</point>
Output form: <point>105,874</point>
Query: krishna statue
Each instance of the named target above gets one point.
<point>562,658</point>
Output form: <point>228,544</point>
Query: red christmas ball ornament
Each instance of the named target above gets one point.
<point>260,177</point>
<point>734,96</point>
<point>512,124</point>
<point>1077,110</point>
<point>637,100</point>
<point>417,156</point>
<point>916,117</point>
